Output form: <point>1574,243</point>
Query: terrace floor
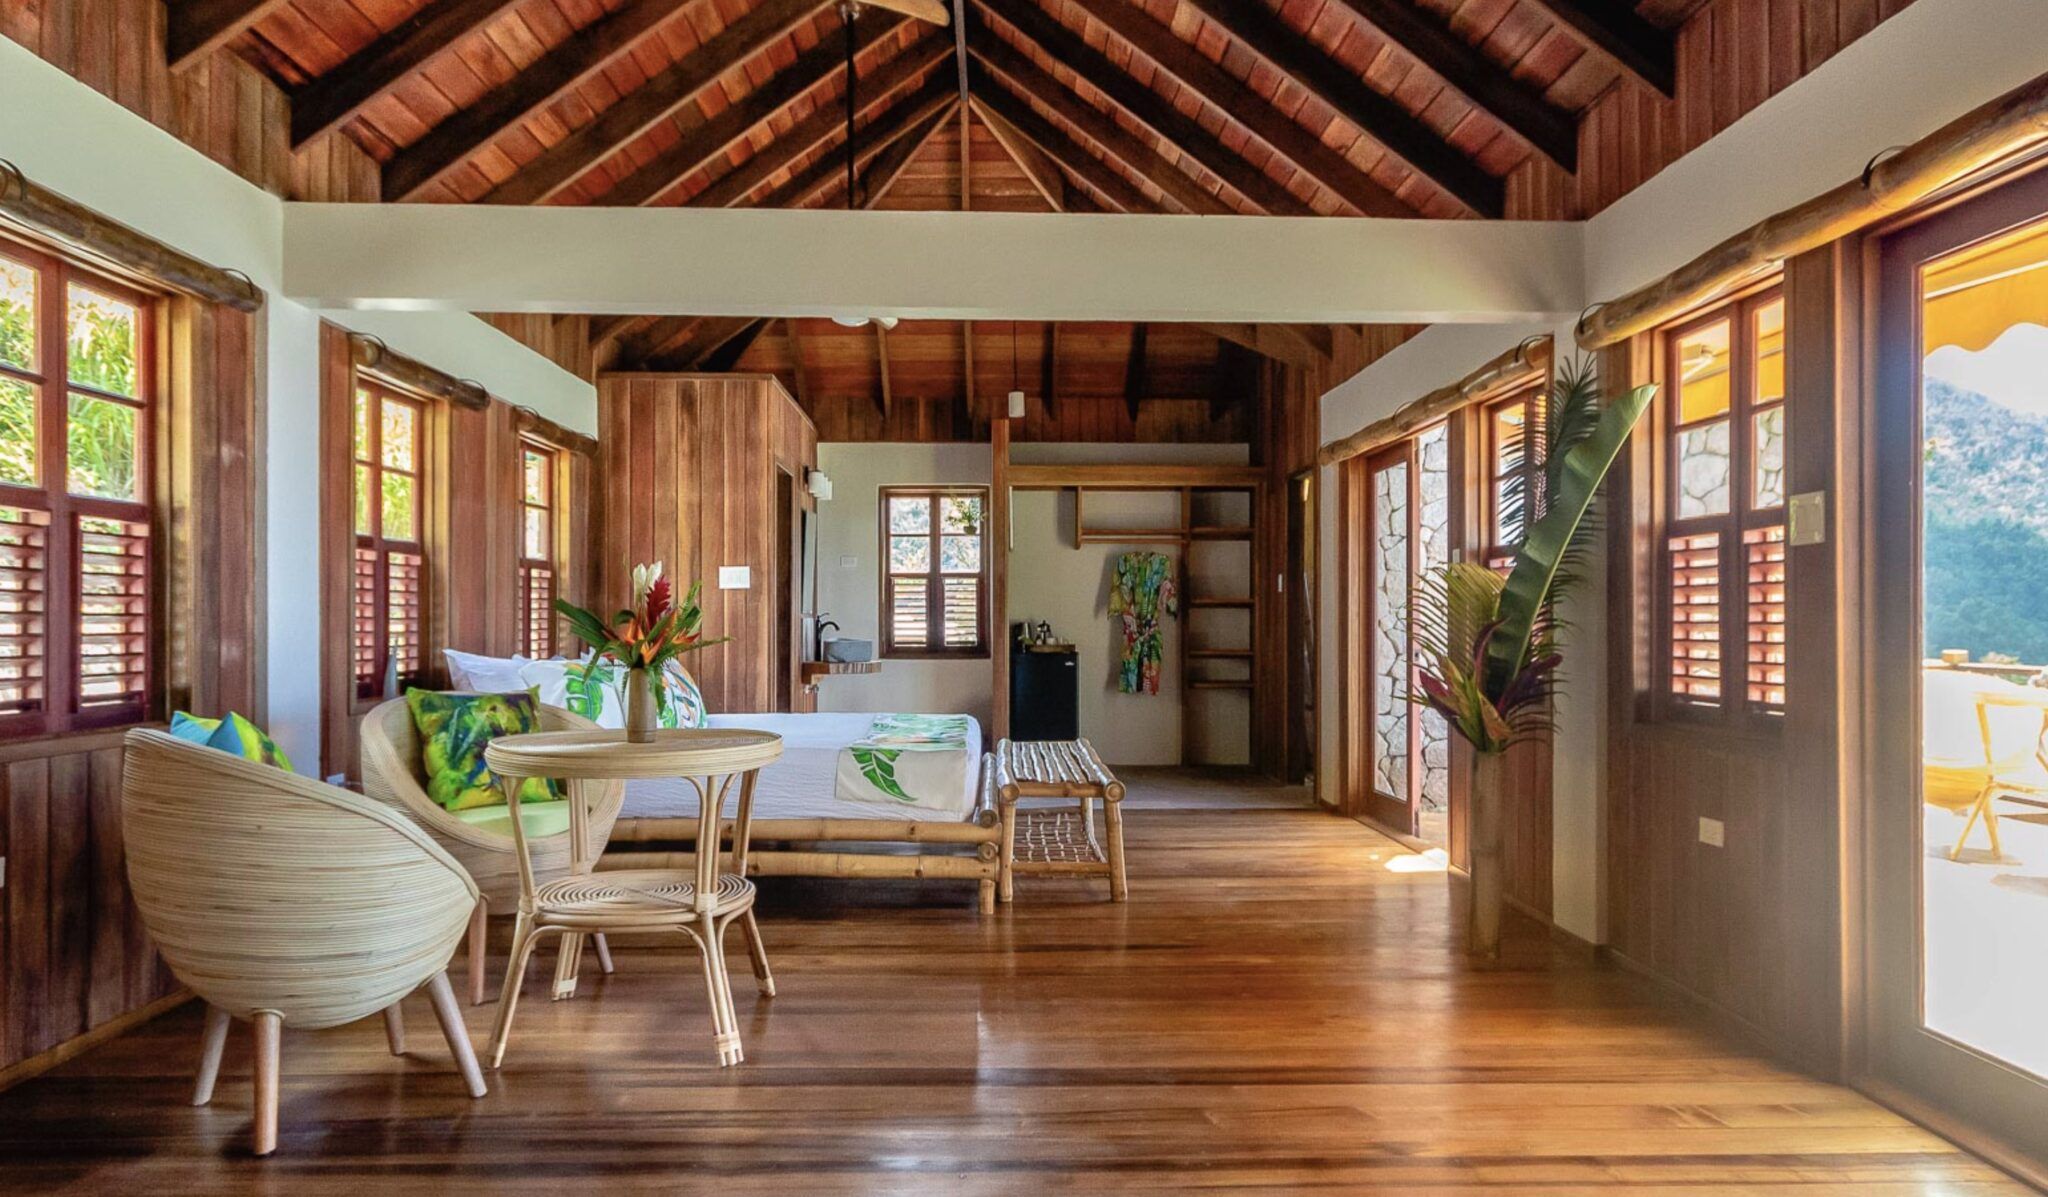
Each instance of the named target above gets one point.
<point>1274,1010</point>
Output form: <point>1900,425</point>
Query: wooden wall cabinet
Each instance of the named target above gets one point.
<point>704,472</point>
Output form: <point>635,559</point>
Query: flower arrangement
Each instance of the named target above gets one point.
<point>644,637</point>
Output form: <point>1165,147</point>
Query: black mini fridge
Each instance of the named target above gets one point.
<point>1045,697</point>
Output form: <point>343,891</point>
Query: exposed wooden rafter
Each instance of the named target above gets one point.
<point>1542,126</point>
<point>1358,102</point>
<point>1614,31</point>
<point>826,60</point>
<point>588,51</point>
<point>1183,190</point>
<point>1066,47</point>
<point>888,166</point>
<point>826,173</point>
<point>339,94</point>
<point>1044,174</point>
<point>654,101</point>
<point>887,396</point>
<point>1310,154</point>
<point>720,358</point>
<point>196,28</point>
<point>1135,380</point>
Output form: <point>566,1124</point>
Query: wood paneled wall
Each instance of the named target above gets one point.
<point>471,524</point>
<point>690,465</point>
<point>75,954</point>
<point>1753,928</point>
<point>1732,56</point>
<point>221,106</point>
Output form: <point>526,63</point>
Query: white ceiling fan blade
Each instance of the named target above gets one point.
<point>924,10</point>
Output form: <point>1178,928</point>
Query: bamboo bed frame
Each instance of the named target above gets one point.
<point>971,850</point>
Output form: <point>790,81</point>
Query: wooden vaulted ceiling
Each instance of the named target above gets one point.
<point>1333,107</point>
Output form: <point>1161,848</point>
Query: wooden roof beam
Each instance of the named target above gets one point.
<point>888,166</point>
<point>720,358</point>
<point>1044,174</point>
<point>653,102</point>
<point>1521,109</point>
<point>702,146</point>
<point>1093,174</point>
<point>587,52</point>
<point>827,172</point>
<point>1614,31</point>
<point>1384,120</point>
<point>196,28</point>
<point>1304,150</point>
<point>338,94</point>
<point>1181,189</point>
<point>1146,106</point>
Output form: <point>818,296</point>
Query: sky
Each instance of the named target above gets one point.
<point>2012,371</point>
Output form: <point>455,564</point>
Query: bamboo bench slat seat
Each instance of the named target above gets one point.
<point>1058,842</point>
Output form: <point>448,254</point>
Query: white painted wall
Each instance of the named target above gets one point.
<point>70,138</point>
<point>850,594</point>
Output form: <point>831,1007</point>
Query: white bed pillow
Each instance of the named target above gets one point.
<point>484,675</point>
<point>560,684</point>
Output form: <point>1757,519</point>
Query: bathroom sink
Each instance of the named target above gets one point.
<point>844,649</point>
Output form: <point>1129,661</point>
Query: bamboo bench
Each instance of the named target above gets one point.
<point>1058,842</point>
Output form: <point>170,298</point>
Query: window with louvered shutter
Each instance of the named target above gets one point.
<point>389,606</point>
<point>76,593</point>
<point>1725,492</point>
<point>537,467</point>
<point>935,572</point>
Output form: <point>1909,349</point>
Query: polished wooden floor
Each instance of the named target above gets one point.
<point>1274,1011</point>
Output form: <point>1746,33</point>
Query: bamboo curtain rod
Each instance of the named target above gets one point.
<point>1521,366</point>
<point>375,357</point>
<point>1983,137</point>
<point>45,213</point>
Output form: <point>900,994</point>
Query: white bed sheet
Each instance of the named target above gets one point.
<point>803,783</point>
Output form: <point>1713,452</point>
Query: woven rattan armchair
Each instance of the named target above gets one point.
<point>287,903</point>
<point>392,774</point>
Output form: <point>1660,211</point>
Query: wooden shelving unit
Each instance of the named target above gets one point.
<point>1208,516</point>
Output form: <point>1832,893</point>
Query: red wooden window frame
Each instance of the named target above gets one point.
<point>538,575</point>
<point>894,645</point>
<point>1722,579</point>
<point>389,601</point>
<point>77,574</point>
<point>1500,548</point>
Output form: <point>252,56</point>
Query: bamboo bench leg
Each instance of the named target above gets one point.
<point>568,962</point>
<point>1006,884</point>
<point>604,954</point>
<point>758,952</point>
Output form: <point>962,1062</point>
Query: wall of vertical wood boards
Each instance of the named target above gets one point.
<point>470,520</point>
<point>1754,929</point>
<point>75,953</point>
<point>1732,56</point>
<point>688,464</point>
<point>221,106</point>
<point>1526,830</point>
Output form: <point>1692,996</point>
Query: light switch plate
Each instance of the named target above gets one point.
<point>1807,518</point>
<point>735,577</point>
<point>1713,834</point>
<point>849,562</point>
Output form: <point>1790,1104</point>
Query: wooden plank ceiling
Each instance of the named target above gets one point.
<point>1390,108</point>
<point>1333,107</point>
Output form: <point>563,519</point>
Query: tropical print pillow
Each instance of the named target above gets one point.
<point>232,734</point>
<point>596,690</point>
<point>455,729</point>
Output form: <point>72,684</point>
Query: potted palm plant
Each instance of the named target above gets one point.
<point>644,638</point>
<point>1486,646</point>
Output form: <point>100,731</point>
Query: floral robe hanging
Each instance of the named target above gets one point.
<point>1143,592</point>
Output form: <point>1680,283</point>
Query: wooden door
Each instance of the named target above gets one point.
<point>1391,733</point>
<point>1954,915</point>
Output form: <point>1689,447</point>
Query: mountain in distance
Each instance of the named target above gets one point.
<point>1986,511</point>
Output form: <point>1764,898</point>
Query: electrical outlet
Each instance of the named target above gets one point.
<point>1713,834</point>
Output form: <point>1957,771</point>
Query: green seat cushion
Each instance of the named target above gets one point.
<point>455,728</point>
<point>233,734</point>
<point>539,819</point>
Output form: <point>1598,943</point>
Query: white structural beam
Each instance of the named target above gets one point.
<point>928,265</point>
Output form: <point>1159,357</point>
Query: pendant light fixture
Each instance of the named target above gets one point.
<point>1016,393</point>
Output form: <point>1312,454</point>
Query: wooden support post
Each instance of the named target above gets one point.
<point>999,570</point>
<point>882,361</point>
